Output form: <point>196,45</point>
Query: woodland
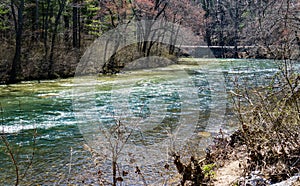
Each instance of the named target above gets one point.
<point>45,39</point>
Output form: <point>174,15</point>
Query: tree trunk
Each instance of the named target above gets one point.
<point>15,67</point>
<point>114,169</point>
<point>78,28</point>
<point>46,27</point>
<point>36,19</point>
<point>75,24</point>
<point>236,24</point>
<point>67,27</point>
<point>54,34</point>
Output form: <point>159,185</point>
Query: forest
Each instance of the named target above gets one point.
<point>45,39</point>
<point>68,119</point>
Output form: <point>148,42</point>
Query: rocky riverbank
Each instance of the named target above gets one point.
<point>232,161</point>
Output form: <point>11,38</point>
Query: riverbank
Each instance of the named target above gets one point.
<point>234,165</point>
<point>34,66</point>
<point>265,149</point>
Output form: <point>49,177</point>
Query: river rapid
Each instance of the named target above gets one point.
<point>187,100</point>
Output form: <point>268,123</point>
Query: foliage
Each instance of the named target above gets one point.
<point>208,170</point>
<point>4,13</point>
<point>196,171</point>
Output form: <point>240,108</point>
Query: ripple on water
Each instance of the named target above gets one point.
<point>47,106</point>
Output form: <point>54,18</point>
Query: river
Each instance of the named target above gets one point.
<point>189,100</point>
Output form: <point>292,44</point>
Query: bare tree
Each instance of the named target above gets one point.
<point>62,4</point>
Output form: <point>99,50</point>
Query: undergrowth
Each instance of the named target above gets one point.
<point>268,136</point>
<point>267,140</point>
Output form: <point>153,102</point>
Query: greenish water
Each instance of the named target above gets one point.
<point>153,96</point>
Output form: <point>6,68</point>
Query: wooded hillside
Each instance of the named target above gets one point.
<point>44,39</point>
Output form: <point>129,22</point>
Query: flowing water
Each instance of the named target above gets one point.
<point>186,100</point>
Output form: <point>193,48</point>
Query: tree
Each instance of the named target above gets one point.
<point>187,14</point>
<point>184,13</point>
<point>18,22</point>
<point>4,19</point>
<point>273,27</point>
<point>62,4</point>
<point>76,24</point>
<point>151,12</point>
<point>235,9</point>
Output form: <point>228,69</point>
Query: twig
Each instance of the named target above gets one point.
<point>70,164</point>
<point>32,155</point>
<point>13,159</point>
